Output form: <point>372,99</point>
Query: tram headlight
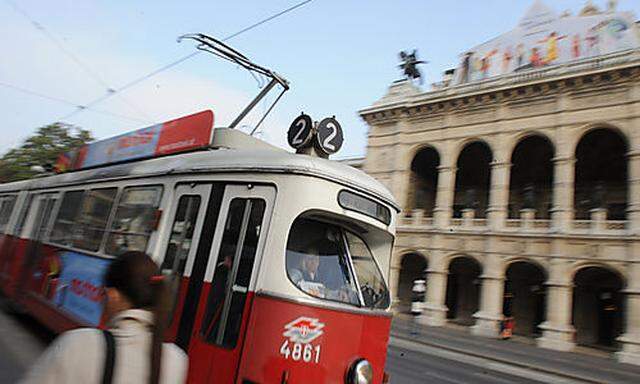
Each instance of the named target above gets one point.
<point>360,372</point>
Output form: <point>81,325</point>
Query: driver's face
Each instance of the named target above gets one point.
<point>311,263</point>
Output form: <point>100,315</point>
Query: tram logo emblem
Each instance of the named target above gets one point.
<point>303,330</point>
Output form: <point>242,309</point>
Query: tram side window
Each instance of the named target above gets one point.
<point>91,224</point>
<point>63,228</point>
<point>134,220</point>
<point>374,290</point>
<point>230,285</point>
<point>6,207</point>
<point>22,218</point>
<point>179,245</point>
<point>180,241</point>
<point>45,209</point>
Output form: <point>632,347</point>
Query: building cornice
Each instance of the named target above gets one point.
<point>576,76</point>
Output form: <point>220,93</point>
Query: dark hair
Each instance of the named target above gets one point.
<point>138,278</point>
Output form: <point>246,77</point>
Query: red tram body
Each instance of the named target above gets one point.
<point>277,262</point>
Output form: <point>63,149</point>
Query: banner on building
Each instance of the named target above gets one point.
<point>542,38</point>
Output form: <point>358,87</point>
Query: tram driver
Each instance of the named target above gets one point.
<point>322,271</point>
<point>306,276</point>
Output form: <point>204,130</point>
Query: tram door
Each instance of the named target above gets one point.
<point>193,213</point>
<point>226,298</point>
<point>39,218</point>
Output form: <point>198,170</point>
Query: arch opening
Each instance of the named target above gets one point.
<point>424,180</point>
<point>601,174</point>
<point>473,179</point>
<point>598,307</point>
<point>463,290</point>
<point>412,267</point>
<point>531,181</point>
<point>524,297</point>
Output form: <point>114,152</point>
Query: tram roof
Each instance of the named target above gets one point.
<point>258,158</point>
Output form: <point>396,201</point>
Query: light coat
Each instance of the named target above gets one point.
<point>78,356</point>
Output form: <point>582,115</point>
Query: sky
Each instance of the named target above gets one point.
<point>339,55</point>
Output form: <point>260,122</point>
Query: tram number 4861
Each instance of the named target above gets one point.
<point>300,352</point>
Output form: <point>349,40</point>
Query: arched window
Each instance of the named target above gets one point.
<point>601,174</point>
<point>424,180</point>
<point>531,181</point>
<point>473,179</point>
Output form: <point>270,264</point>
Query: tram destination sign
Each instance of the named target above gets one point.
<point>180,135</point>
<point>351,201</point>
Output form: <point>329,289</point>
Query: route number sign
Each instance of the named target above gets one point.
<point>300,131</point>
<point>329,136</point>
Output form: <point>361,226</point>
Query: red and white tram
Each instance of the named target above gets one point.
<point>278,261</point>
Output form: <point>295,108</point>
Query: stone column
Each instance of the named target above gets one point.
<point>394,278</point>
<point>499,194</point>
<point>489,316</point>
<point>633,193</point>
<point>444,197</point>
<point>445,190</point>
<point>435,312</point>
<point>400,186</point>
<point>630,339</point>
<point>563,184</point>
<point>401,165</point>
<point>633,162</point>
<point>557,331</point>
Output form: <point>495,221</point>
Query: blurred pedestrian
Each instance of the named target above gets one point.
<point>131,349</point>
<point>417,302</point>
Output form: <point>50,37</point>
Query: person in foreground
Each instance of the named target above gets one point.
<point>136,311</point>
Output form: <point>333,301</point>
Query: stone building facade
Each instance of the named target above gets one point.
<point>521,197</point>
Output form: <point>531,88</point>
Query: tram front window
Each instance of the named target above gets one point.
<point>318,263</point>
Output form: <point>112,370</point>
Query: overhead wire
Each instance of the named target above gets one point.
<point>180,60</point>
<point>88,70</point>
<point>67,102</point>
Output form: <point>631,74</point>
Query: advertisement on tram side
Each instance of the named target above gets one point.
<point>179,135</point>
<point>80,286</point>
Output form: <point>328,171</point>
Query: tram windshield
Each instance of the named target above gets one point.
<point>332,263</point>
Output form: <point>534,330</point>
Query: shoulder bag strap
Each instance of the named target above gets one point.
<point>110,357</point>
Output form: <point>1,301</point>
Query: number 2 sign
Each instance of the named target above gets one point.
<point>329,136</point>
<point>300,131</point>
<point>326,137</point>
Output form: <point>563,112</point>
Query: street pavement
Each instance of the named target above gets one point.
<point>409,362</point>
<point>582,367</point>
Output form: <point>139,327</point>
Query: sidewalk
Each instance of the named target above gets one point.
<point>579,366</point>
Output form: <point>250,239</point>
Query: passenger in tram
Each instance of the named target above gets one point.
<point>131,351</point>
